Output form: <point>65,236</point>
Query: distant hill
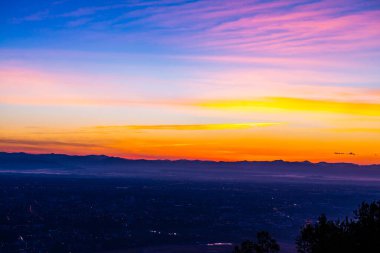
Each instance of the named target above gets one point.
<point>101,165</point>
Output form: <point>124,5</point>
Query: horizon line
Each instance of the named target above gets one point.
<point>190,160</point>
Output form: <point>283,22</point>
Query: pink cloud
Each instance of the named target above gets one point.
<point>326,26</point>
<point>275,27</point>
<point>308,32</point>
<point>26,85</point>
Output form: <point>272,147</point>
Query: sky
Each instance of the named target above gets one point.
<point>185,79</point>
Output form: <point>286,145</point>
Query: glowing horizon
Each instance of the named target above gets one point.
<point>233,80</point>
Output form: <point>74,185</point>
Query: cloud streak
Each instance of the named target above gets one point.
<point>193,127</point>
<point>294,104</point>
<point>271,27</point>
<point>40,143</point>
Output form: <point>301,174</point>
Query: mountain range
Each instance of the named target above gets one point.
<point>107,166</point>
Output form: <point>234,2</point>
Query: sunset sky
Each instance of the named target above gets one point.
<point>175,79</point>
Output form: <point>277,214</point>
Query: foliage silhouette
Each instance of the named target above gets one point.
<point>264,244</point>
<point>360,234</point>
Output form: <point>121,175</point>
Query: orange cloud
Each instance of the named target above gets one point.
<point>193,126</point>
<point>246,141</point>
<point>43,142</point>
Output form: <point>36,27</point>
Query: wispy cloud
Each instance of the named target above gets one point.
<point>40,15</point>
<point>253,26</point>
<point>294,104</point>
<point>374,130</point>
<point>42,87</point>
<point>271,27</point>
<point>191,127</point>
<point>43,143</point>
<point>79,22</point>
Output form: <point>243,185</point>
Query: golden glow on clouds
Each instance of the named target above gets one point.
<point>287,118</point>
<point>192,127</point>
<point>276,141</point>
<point>295,104</point>
<point>272,128</point>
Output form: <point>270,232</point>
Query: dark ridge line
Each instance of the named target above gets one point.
<point>306,162</point>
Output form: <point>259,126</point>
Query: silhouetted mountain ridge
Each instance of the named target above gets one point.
<point>102,165</point>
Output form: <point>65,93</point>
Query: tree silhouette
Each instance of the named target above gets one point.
<point>360,234</point>
<point>264,244</point>
<point>245,247</point>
